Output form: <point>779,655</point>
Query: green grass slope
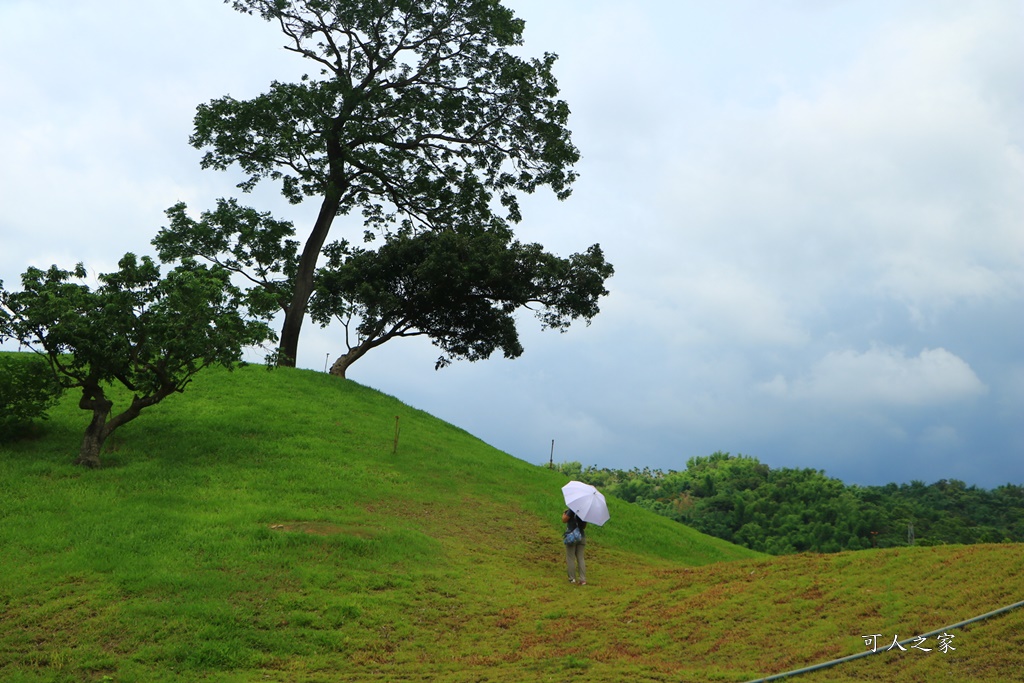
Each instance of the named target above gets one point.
<point>263,527</point>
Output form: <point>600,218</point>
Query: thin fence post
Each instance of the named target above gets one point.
<point>397,431</point>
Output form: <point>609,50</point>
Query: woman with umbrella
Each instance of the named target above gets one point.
<point>586,504</point>
<point>575,539</point>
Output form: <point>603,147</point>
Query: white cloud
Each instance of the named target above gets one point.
<point>896,175</point>
<point>884,377</point>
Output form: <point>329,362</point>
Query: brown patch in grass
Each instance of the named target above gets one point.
<point>323,529</point>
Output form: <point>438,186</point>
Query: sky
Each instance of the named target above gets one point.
<point>815,210</point>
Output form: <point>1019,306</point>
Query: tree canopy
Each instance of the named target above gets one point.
<point>149,333</point>
<point>419,117</point>
<point>461,288</point>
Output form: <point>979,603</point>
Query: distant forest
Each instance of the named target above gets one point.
<point>784,511</point>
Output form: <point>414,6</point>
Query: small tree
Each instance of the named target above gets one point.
<point>459,289</point>
<point>28,389</point>
<point>148,333</point>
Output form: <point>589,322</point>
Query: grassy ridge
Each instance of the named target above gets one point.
<point>261,528</point>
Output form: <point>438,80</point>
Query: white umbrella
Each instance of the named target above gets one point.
<point>586,501</point>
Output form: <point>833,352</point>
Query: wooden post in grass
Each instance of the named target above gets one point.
<point>551,462</point>
<point>397,431</point>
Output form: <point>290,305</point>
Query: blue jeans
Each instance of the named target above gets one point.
<point>574,561</point>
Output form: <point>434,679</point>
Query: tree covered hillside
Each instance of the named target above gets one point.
<point>780,511</point>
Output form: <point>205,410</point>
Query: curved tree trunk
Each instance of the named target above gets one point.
<point>89,453</point>
<point>102,426</point>
<point>96,433</point>
<point>340,366</point>
<point>288,349</point>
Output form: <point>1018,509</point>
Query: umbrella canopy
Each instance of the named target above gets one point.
<point>586,501</point>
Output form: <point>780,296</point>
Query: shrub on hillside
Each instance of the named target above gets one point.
<point>28,388</point>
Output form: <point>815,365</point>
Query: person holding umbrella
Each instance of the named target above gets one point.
<point>586,504</point>
<point>575,539</point>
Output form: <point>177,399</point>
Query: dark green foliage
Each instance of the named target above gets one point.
<point>151,334</point>
<point>739,499</point>
<point>461,289</point>
<point>28,389</point>
<point>242,240</point>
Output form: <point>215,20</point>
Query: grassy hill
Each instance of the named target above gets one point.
<point>263,527</point>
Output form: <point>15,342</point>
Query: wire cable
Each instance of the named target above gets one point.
<point>868,653</point>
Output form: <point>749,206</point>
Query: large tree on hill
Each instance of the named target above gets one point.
<point>460,288</point>
<point>149,333</point>
<point>419,118</point>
